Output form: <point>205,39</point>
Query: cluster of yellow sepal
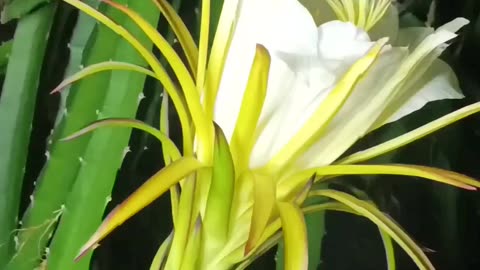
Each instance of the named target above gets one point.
<point>363,13</point>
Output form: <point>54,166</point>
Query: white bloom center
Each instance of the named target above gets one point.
<point>307,62</point>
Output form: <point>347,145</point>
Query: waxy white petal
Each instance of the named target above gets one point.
<point>439,82</point>
<point>360,111</point>
<point>281,26</point>
<point>339,46</point>
<point>399,87</point>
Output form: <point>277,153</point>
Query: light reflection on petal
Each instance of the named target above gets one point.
<point>274,24</point>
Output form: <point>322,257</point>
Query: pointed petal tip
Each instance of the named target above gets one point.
<point>104,229</point>
<point>454,25</point>
<point>89,246</point>
<point>54,91</point>
<point>249,246</point>
<point>383,40</point>
<point>460,21</point>
<point>261,49</point>
<point>59,88</point>
<point>472,188</point>
<point>247,249</point>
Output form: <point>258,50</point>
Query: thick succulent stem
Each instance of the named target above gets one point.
<point>17,106</point>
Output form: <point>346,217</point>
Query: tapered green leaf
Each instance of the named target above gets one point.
<point>143,196</point>
<point>386,239</point>
<point>220,45</point>
<point>162,253</point>
<point>183,224</point>
<point>434,174</point>
<point>264,198</point>
<point>243,138</point>
<point>273,238</point>
<point>154,63</point>
<point>191,95</point>
<point>203,45</point>
<point>181,32</point>
<point>294,236</point>
<point>383,222</point>
<point>168,145</point>
<point>389,250</point>
<point>104,66</point>
<point>192,250</point>
<point>412,136</point>
<point>219,202</point>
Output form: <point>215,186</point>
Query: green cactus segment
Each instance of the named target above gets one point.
<point>17,105</point>
<point>59,174</point>
<point>5,51</point>
<point>15,9</point>
<point>78,48</point>
<point>104,153</point>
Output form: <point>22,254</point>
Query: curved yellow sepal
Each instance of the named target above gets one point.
<point>143,196</point>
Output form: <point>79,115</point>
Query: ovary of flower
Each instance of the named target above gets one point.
<point>307,63</point>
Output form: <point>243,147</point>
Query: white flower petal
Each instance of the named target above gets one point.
<point>454,25</point>
<point>419,75</point>
<point>439,82</point>
<point>359,111</point>
<point>296,107</point>
<point>411,37</point>
<point>281,26</point>
<point>374,102</point>
<point>340,45</point>
<point>342,40</point>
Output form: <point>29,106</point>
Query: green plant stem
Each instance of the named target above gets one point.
<point>16,9</point>
<point>59,173</point>
<point>104,153</point>
<point>5,52</point>
<point>17,106</point>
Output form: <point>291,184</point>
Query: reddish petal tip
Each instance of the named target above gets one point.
<point>56,90</point>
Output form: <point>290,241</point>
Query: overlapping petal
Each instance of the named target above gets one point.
<point>397,85</point>
<point>279,33</point>
<point>304,69</point>
<point>339,46</point>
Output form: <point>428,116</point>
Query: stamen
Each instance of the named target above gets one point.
<point>363,13</point>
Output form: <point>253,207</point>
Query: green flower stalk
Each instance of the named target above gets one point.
<point>270,111</point>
